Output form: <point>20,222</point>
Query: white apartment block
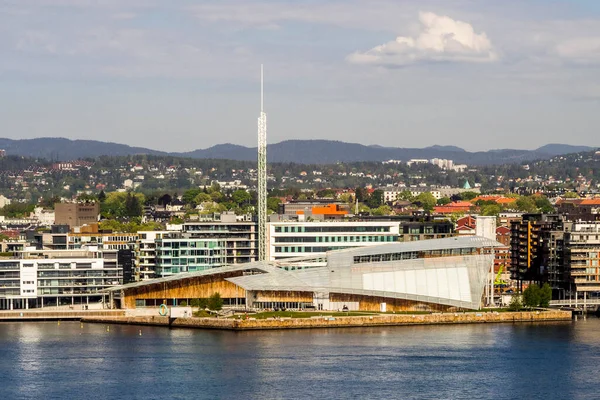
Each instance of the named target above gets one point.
<point>308,239</point>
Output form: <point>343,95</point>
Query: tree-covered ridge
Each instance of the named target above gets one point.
<point>33,179</point>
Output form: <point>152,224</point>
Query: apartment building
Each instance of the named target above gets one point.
<point>582,256</point>
<point>302,239</point>
<point>76,214</point>
<point>239,233</point>
<point>178,252</point>
<point>537,249</point>
<point>43,278</point>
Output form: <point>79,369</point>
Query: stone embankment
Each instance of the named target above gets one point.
<point>74,315</point>
<point>338,322</point>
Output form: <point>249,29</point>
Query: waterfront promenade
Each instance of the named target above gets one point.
<point>324,321</point>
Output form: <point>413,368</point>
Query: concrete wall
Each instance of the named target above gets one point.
<point>342,322</point>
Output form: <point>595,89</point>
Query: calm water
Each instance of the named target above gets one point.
<point>528,361</point>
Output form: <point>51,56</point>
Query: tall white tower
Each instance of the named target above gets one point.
<point>262,176</point>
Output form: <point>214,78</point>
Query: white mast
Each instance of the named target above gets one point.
<point>262,176</point>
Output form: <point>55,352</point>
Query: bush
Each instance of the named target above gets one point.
<point>515,303</point>
<point>545,295</point>
<point>202,304</point>
<point>215,302</point>
<point>532,296</point>
<point>183,303</point>
<point>195,303</point>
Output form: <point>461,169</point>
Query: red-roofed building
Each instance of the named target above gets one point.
<point>457,206</point>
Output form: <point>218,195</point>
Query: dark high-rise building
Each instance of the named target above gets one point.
<point>126,261</point>
<point>537,249</point>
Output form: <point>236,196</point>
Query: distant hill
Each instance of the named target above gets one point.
<point>296,151</point>
<point>65,149</point>
<point>559,149</point>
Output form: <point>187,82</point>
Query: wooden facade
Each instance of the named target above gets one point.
<point>188,288</point>
<point>373,303</point>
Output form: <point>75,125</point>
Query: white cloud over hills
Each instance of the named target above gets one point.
<point>440,38</point>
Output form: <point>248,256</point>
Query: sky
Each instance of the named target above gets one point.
<point>181,75</point>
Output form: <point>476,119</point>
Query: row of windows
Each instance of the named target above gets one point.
<point>413,255</point>
<point>334,239</point>
<point>192,261</point>
<point>181,253</point>
<point>334,229</point>
<point>193,244</point>
<point>28,282</point>
<point>306,249</point>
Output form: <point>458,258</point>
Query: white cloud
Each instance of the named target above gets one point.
<point>440,39</point>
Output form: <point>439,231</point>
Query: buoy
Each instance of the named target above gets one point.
<point>81,325</point>
<point>140,332</point>
<point>58,322</point>
<point>108,329</point>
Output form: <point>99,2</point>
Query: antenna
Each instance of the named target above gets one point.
<point>262,175</point>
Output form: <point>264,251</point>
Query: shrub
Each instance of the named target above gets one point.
<point>515,303</point>
<point>545,295</point>
<point>183,303</point>
<point>202,304</point>
<point>532,296</point>
<point>215,302</point>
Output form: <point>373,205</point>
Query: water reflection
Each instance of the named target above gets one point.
<point>501,361</point>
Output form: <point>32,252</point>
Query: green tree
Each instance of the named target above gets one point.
<point>468,195</point>
<point>101,196</point>
<point>195,302</point>
<point>17,210</point>
<point>241,197</point>
<point>515,303</point>
<point>215,302</point>
<point>361,194</point>
<point>133,208</point>
<point>189,196</point>
<point>202,303</point>
<point>570,195</point>
<point>491,210</point>
<point>525,204</point>
<point>531,296</point>
<point>426,200</point>
<point>273,203</point>
<point>405,195</point>
<point>543,204</point>
<point>443,201</point>
<point>545,295</point>
<point>375,199</point>
<point>202,198</point>
<point>382,210</point>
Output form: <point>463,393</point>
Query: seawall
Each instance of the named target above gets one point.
<point>338,322</point>
<point>74,315</point>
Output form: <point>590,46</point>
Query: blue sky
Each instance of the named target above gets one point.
<point>181,75</point>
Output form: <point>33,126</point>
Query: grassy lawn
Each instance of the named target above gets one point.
<point>203,314</point>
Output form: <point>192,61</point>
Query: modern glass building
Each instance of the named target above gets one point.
<point>429,275</point>
<point>179,252</point>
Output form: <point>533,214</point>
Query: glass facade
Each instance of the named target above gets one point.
<point>176,255</point>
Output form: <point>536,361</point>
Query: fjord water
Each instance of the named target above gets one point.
<point>492,361</point>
